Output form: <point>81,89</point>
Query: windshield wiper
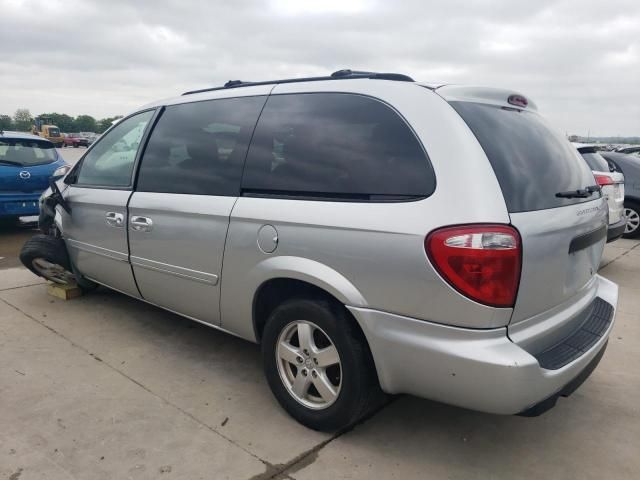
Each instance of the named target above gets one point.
<point>580,193</point>
<point>9,162</point>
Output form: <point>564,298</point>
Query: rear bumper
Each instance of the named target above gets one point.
<point>615,230</point>
<point>19,205</point>
<point>477,369</point>
<point>548,403</point>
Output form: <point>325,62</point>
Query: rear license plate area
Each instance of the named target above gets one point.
<point>21,207</point>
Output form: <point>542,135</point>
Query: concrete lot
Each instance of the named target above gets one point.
<point>72,155</point>
<point>107,387</point>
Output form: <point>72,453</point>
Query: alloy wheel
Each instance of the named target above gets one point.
<point>309,364</point>
<point>633,220</point>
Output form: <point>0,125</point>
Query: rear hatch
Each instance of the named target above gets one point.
<point>563,231</point>
<point>25,165</point>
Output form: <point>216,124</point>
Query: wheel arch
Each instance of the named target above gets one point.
<point>287,277</point>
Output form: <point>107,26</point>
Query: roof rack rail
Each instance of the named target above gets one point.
<point>338,75</point>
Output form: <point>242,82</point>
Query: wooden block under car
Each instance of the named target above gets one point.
<point>65,292</point>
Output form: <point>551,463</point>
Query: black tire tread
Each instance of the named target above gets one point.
<point>54,250</point>
<point>45,246</point>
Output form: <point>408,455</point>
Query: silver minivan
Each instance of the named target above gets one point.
<point>375,235</point>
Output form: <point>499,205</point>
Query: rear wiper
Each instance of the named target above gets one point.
<point>9,162</point>
<point>580,193</point>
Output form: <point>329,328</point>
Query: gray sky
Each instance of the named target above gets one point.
<point>579,60</point>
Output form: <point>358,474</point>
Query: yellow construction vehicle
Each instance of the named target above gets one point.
<point>43,128</point>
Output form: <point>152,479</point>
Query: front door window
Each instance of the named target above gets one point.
<point>110,162</point>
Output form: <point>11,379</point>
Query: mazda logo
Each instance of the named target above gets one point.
<point>24,174</point>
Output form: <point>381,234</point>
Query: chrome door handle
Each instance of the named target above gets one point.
<point>141,224</point>
<point>114,219</point>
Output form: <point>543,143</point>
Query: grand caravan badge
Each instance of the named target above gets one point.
<point>587,210</point>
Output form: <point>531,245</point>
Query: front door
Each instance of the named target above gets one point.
<point>95,231</point>
<point>188,182</point>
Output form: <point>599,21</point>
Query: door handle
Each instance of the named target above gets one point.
<point>114,219</point>
<point>141,224</point>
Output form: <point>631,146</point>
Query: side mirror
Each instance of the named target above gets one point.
<point>57,196</point>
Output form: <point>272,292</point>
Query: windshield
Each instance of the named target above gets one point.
<point>25,152</point>
<point>531,161</point>
<point>54,132</point>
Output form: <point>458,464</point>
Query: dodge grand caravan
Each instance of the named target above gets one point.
<point>372,233</point>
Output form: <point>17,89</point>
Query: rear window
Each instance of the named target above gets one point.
<point>336,146</point>
<point>26,152</point>
<point>595,160</point>
<point>531,161</point>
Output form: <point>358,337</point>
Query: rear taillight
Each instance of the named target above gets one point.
<point>603,180</point>
<point>480,261</point>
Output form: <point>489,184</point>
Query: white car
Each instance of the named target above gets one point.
<point>612,185</point>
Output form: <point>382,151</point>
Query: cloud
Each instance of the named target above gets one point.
<point>579,60</point>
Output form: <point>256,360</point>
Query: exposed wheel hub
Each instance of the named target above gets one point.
<point>52,271</point>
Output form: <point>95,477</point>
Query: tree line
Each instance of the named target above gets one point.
<point>22,121</point>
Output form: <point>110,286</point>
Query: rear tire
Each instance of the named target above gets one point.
<point>632,212</point>
<point>346,390</point>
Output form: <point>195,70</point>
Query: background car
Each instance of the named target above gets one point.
<point>90,136</point>
<point>630,166</point>
<point>635,150</point>
<point>26,164</point>
<point>612,184</point>
<point>75,140</point>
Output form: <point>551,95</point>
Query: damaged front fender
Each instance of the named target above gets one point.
<point>49,219</point>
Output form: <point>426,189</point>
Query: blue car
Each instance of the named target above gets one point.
<point>26,164</point>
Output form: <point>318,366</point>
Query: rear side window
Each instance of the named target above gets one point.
<point>531,161</point>
<point>110,162</point>
<point>595,160</point>
<point>336,146</point>
<point>199,148</point>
